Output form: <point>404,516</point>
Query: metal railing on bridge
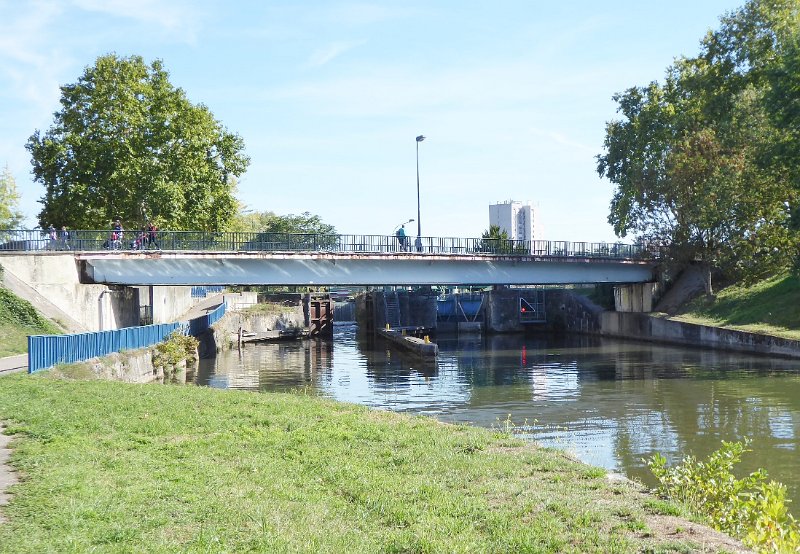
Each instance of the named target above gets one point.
<point>37,240</point>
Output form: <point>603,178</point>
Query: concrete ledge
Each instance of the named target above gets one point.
<point>648,327</point>
<point>470,327</point>
<point>413,344</point>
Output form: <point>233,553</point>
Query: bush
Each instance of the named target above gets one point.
<point>177,348</point>
<point>750,509</point>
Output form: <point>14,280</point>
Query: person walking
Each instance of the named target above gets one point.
<point>64,238</point>
<point>152,233</point>
<point>401,237</point>
<point>117,234</point>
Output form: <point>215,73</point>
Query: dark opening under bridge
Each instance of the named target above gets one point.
<point>199,258</point>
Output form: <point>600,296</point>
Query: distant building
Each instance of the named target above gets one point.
<point>519,220</point>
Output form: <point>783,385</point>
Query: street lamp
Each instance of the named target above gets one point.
<point>402,239</point>
<point>396,227</point>
<point>420,138</point>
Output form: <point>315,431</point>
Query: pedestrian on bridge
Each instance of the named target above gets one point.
<point>401,237</point>
<point>152,233</point>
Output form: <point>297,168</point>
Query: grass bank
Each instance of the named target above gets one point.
<point>112,467</point>
<point>18,319</point>
<point>768,307</point>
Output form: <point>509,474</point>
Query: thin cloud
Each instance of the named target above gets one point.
<point>328,53</point>
<point>179,18</point>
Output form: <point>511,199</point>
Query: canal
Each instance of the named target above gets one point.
<point>609,403</point>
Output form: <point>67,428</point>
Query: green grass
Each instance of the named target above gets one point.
<point>770,307</point>
<point>18,319</point>
<point>113,467</point>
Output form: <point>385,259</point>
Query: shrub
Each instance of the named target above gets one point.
<point>177,348</point>
<point>750,509</point>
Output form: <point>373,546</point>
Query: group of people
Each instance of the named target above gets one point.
<point>58,239</point>
<point>142,240</point>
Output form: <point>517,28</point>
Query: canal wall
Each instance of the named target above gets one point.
<point>399,308</point>
<point>573,313</point>
<point>53,278</point>
<point>133,366</point>
<point>659,329</point>
<point>268,316</point>
<point>501,311</point>
<point>51,282</point>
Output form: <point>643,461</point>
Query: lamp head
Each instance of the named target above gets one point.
<point>420,138</point>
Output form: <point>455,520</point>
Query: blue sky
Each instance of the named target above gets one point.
<point>328,96</point>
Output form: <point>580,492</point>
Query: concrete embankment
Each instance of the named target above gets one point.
<point>574,313</point>
<point>133,366</point>
<point>280,315</point>
<point>649,327</point>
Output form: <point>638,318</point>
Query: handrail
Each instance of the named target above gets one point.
<point>36,240</point>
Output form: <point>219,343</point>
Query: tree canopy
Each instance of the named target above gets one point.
<point>269,222</point>
<point>10,216</point>
<point>127,144</point>
<point>693,159</point>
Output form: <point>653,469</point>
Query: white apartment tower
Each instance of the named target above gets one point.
<point>519,220</point>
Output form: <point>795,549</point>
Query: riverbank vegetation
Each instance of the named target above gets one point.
<point>18,319</point>
<point>768,307</point>
<point>112,466</point>
<point>751,508</point>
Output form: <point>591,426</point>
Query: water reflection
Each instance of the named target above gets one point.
<point>611,403</point>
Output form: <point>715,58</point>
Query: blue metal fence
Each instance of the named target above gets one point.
<point>203,291</point>
<point>200,324</point>
<point>45,351</point>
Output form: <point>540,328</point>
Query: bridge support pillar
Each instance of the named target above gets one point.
<point>636,297</point>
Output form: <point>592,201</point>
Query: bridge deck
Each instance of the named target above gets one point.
<point>354,269</point>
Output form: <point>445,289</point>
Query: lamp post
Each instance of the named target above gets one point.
<point>402,239</point>
<point>396,227</point>
<point>420,138</point>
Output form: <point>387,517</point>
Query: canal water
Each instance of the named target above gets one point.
<point>610,403</point>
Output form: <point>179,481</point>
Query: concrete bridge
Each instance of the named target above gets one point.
<point>90,287</point>
<point>353,269</point>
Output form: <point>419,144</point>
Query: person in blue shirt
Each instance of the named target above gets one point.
<point>401,237</point>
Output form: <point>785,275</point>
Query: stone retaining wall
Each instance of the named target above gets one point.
<point>651,328</point>
<point>223,334</point>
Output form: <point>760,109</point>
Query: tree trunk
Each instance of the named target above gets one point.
<point>707,279</point>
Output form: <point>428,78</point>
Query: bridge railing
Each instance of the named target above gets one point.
<point>98,240</point>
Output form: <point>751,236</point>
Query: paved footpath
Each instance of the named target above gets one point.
<point>13,363</point>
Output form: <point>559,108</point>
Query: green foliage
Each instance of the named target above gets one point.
<point>10,216</point>
<point>18,319</point>
<point>175,350</point>
<point>269,222</point>
<point>693,159</point>
<point>290,232</point>
<point>496,241</point>
<point>127,144</point>
<point>17,311</point>
<point>750,508</point>
<point>764,307</point>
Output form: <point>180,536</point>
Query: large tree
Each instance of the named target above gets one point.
<point>690,158</point>
<point>268,222</point>
<point>10,216</point>
<point>128,144</point>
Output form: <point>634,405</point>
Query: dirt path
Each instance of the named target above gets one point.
<point>7,475</point>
